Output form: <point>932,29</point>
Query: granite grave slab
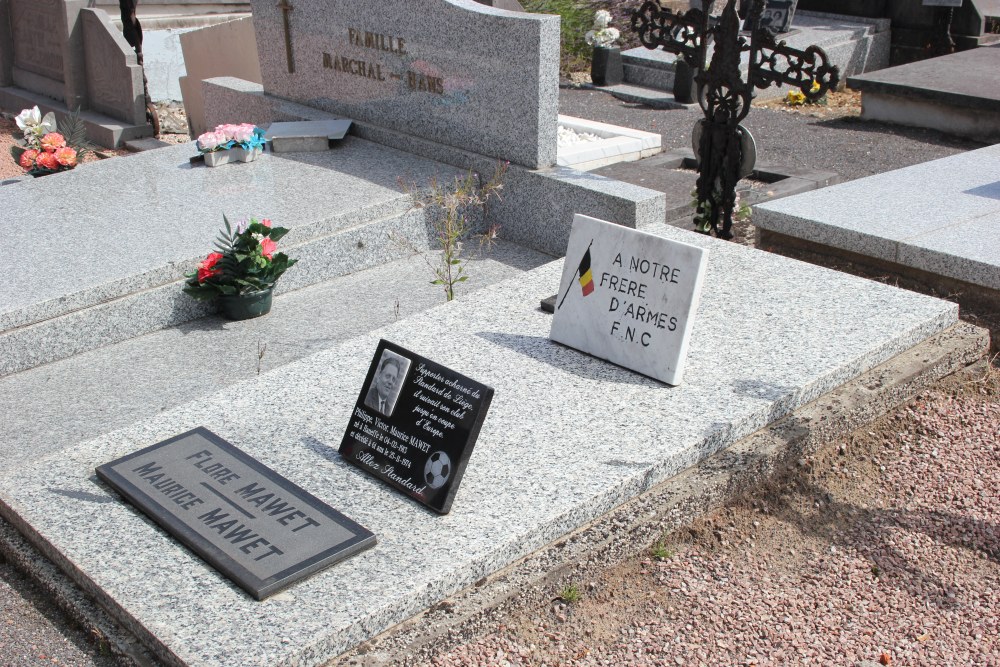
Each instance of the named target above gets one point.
<point>941,216</point>
<point>165,222</point>
<point>949,93</point>
<point>597,436</point>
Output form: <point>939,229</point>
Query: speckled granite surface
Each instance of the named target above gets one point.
<point>453,71</point>
<point>104,263</point>
<point>567,438</point>
<point>941,216</point>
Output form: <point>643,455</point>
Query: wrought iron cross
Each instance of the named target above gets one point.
<point>724,146</point>
<point>285,7</point>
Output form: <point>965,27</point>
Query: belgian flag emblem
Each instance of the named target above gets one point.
<point>586,279</point>
<point>584,276</point>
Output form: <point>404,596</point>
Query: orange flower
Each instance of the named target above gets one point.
<point>47,161</point>
<point>66,156</point>
<point>27,160</point>
<point>207,268</point>
<point>52,141</point>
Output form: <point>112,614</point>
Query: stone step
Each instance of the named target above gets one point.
<point>102,389</point>
<point>651,97</point>
<point>660,79</point>
<point>56,306</point>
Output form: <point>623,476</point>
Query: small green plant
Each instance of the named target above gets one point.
<point>659,551</point>
<point>570,594</point>
<point>704,211</point>
<point>454,223</point>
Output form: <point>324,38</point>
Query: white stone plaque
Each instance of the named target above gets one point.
<point>629,297</point>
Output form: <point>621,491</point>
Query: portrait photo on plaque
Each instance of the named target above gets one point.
<point>415,424</point>
<point>383,390</point>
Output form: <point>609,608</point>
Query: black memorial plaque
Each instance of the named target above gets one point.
<point>415,424</point>
<point>244,519</point>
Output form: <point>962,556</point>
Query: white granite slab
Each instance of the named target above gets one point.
<point>567,438</point>
<point>941,216</point>
<point>330,129</point>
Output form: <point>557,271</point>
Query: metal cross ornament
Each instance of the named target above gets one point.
<point>725,149</point>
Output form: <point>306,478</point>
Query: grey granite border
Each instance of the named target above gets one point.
<point>607,540</point>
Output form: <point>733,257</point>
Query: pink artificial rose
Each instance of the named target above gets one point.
<point>47,161</point>
<point>27,160</point>
<point>267,247</point>
<point>66,156</point>
<point>266,222</point>
<point>242,133</point>
<point>211,140</point>
<point>207,268</point>
<point>52,141</point>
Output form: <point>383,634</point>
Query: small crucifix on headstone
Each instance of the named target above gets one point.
<point>285,7</point>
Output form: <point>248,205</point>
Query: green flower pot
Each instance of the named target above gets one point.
<point>245,306</point>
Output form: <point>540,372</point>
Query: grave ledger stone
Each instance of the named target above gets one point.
<point>244,519</point>
<point>629,297</point>
<point>415,424</point>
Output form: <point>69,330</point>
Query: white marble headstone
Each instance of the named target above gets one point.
<point>629,297</point>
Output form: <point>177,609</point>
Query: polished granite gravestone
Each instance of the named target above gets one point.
<point>455,71</point>
<point>567,438</point>
<point>941,217</point>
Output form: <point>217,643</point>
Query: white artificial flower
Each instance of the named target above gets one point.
<point>602,19</point>
<point>28,119</point>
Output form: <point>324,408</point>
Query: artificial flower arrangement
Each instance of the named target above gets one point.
<point>43,150</point>
<point>796,97</point>
<point>602,35</point>
<point>225,137</point>
<point>246,260</point>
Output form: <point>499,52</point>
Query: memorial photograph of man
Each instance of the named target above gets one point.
<point>384,388</point>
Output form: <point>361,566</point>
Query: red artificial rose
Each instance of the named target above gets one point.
<point>267,247</point>
<point>66,156</point>
<point>266,222</point>
<point>52,141</point>
<point>27,160</point>
<point>47,161</point>
<point>207,268</point>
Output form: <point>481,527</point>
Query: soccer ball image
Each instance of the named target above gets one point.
<point>438,470</point>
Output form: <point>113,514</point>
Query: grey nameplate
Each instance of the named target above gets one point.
<point>244,519</point>
<point>415,424</point>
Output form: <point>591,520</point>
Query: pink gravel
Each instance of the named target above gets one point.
<point>886,552</point>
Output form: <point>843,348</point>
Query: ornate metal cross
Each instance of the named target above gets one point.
<point>285,7</point>
<point>724,147</point>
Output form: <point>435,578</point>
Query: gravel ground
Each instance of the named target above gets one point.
<point>883,551</point>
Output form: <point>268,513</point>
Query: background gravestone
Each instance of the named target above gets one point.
<point>62,56</point>
<point>454,72</point>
